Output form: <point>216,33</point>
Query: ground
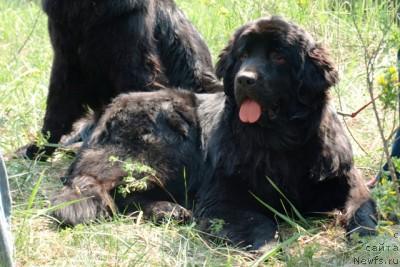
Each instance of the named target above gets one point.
<point>349,31</point>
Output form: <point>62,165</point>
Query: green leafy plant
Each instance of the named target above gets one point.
<point>137,175</point>
<point>386,198</point>
<point>216,225</point>
<point>389,83</point>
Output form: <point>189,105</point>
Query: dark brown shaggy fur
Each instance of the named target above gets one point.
<point>104,47</point>
<point>298,143</point>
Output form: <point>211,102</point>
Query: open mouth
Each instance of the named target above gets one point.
<point>250,111</point>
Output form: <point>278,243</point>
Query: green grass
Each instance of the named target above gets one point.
<point>25,61</point>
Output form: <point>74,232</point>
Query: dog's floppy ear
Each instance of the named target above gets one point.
<point>226,58</point>
<point>226,61</point>
<point>224,67</point>
<point>319,74</point>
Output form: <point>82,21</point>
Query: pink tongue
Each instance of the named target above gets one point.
<point>250,111</point>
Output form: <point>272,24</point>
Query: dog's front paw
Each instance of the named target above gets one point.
<point>364,220</point>
<point>72,208</point>
<point>160,211</point>
<point>32,151</point>
<point>255,233</point>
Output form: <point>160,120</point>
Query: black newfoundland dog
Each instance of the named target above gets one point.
<point>213,153</point>
<point>104,47</point>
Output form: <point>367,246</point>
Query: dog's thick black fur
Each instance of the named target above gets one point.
<point>105,47</point>
<point>225,148</point>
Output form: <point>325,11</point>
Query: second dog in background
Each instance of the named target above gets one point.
<point>104,48</point>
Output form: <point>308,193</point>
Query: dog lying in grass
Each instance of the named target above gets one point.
<point>270,142</point>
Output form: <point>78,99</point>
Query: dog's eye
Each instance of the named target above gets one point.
<point>278,58</point>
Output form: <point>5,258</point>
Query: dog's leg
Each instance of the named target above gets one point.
<point>360,211</point>
<point>243,227</point>
<point>364,220</point>
<point>87,186</point>
<point>64,106</point>
<point>156,206</point>
<point>84,200</point>
<point>87,198</point>
<point>162,210</point>
<point>91,192</point>
<point>349,194</point>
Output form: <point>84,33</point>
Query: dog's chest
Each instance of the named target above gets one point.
<point>268,175</point>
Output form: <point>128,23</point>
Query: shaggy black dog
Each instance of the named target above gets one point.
<point>217,151</point>
<point>103,48</point>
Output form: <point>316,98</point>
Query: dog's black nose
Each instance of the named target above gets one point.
<point>246,78</point>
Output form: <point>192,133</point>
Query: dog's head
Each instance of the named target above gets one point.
<point>274,71</point>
